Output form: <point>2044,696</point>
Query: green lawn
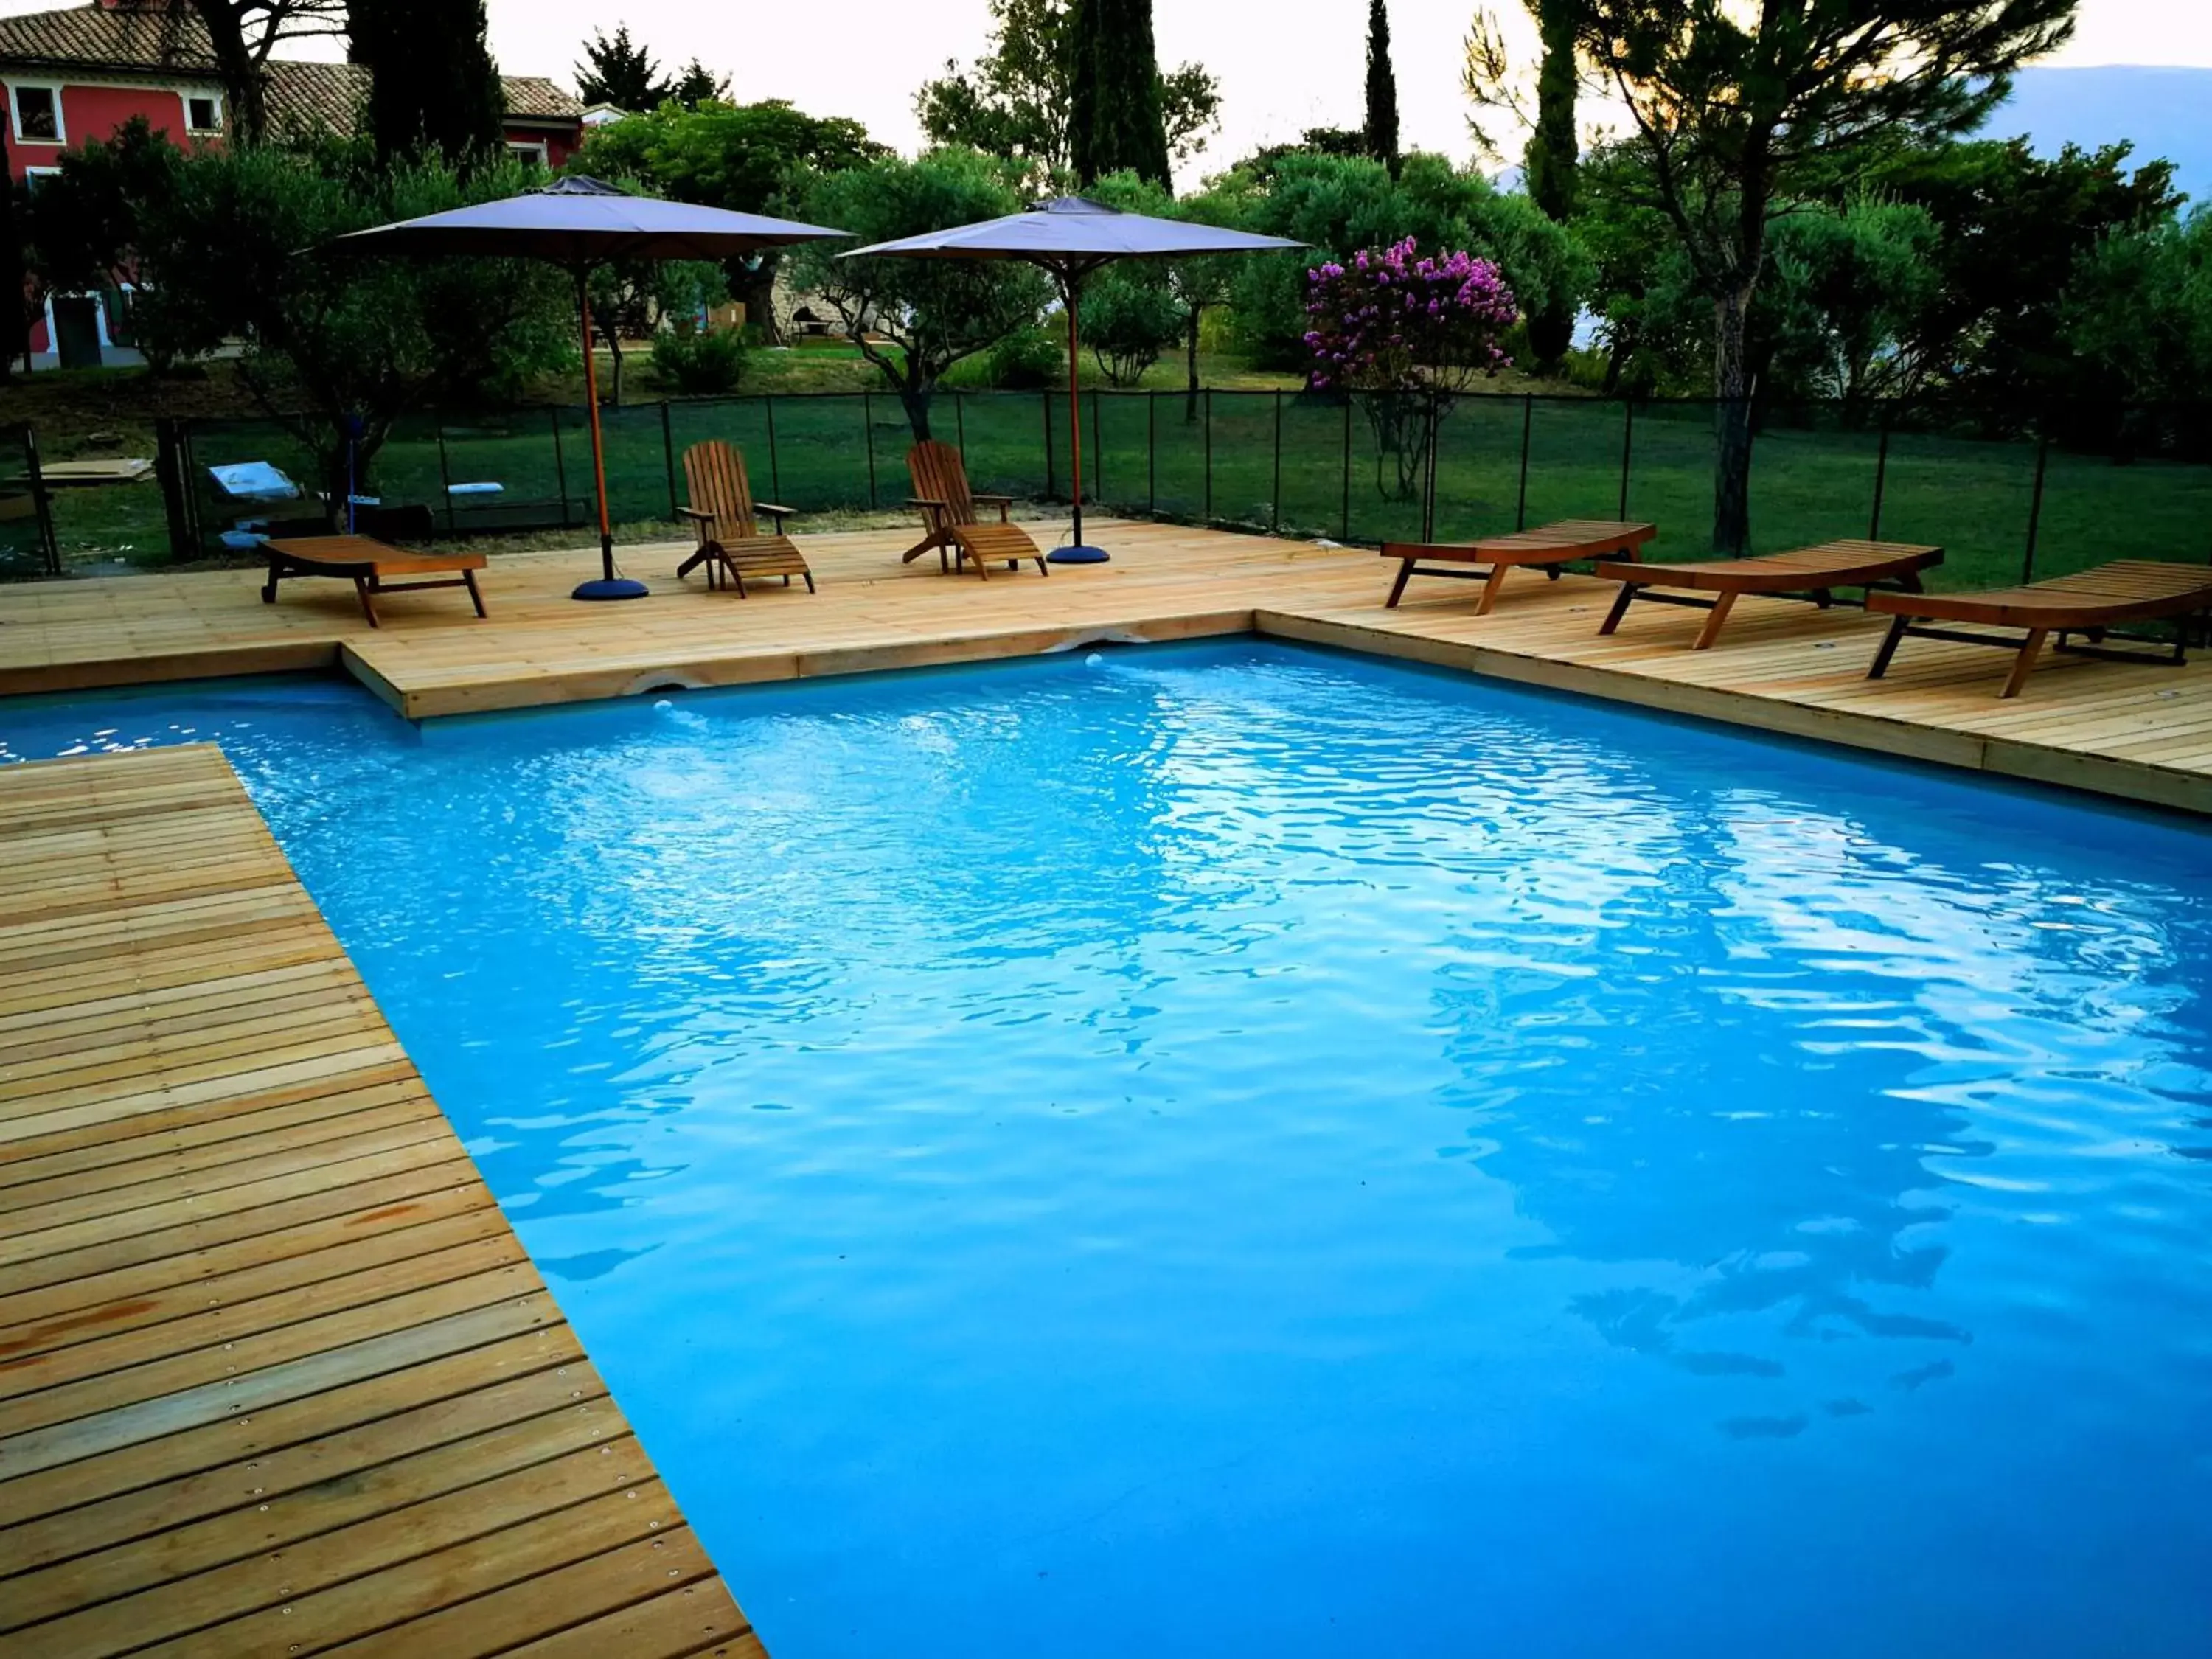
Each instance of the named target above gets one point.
<point>844,453</point>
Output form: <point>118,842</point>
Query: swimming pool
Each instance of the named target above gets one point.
<point>1228,1150</point>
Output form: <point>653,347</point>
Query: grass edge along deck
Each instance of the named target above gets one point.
<point>275,1375</point>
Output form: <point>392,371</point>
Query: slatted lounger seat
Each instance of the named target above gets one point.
<point>1815,571</point>
<point>2088,602</point>
<point>1548,546</point>
<point>371,566</point>
<point>948,512</point>
<point>724,517</point>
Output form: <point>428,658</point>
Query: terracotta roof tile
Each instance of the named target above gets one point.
<point>160,37</point>
<point>169,40</point>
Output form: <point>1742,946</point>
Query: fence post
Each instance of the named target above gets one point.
<point>960,424</point>
<point>1044,402</point>
<point>49,551</point>
<point>1209,455</point>
<point>1880,476</point>
<point>1527,425</point>
<point>560,468</point>
<point>169,468</point>
<point>445,478</point>
<point>1429,484</point>
<point>1152,454</point>
<point>868,437</point>
<point>2035,505</point>
<point>1627,448</point>
<point>668,455</point>
<point>1344,526</point>
<point>1275,498</point>
<point>774,470</point>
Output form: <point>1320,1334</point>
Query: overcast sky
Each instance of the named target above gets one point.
<point>1284,64</point>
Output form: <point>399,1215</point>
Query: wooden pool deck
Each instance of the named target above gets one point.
<point>2138,731</point>
<point>275,1376</point>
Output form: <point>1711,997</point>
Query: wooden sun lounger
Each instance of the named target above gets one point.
<point>2088,602</point>
<point>1548,546</point>
<point>1815,571</point>
<point>948,512</point>
<point>724,517</point>
<point>371,566</point>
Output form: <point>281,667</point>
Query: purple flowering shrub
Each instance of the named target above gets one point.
<point>1392,322</point>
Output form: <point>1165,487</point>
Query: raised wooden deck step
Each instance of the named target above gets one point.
<point>275,1376</point>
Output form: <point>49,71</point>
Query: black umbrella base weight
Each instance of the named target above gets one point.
<point>1077,555</point>
<point>611,587</point>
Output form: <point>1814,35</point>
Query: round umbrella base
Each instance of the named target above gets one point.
<point>1078,555</point>
<point>610,588</point>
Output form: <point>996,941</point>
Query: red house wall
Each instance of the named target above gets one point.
<point>89,112</point>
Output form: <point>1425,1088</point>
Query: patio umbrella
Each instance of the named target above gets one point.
<point>578,223</point>
<point>1070,237</point>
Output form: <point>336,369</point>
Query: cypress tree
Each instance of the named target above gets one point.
<point>1114,92</point>
<point>432,83</point>
<point>1382,129</point>
<point>1549,163</point>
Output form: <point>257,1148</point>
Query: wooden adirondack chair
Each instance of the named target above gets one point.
<point>722,515</point>
<point>948,510</point>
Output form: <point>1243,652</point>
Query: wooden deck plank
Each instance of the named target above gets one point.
<point>275,1372</point>
<point>1782,665</point>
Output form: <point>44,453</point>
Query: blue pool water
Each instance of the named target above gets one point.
<point>1222,1150</point>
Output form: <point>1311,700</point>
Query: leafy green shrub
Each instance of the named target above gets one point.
<point>1025,360</point>
<point>1129,317</point>
<point>701,364</point>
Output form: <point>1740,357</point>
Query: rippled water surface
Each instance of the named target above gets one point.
<point>1223,1151</point>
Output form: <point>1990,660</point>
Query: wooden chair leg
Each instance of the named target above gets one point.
<point>1493,584</point>
<point>476,594</point>
<point>810,581</point>
<point>367,604</point>
<point>2029,648</point>
<point>1398,587</point>
<point>1722,603</point>
<point>1619,609</point>
<point>1889,644</point>
<point>269,587</point>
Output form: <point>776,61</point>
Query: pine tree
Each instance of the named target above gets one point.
<point>1382,129</point>
<point>433,86</point>
<point>1114,94</point>
<point>620,73</point>
<point>1550,161</point>
<point>699,85</point>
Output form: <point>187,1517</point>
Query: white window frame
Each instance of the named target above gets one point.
<point>528,149</point>
<point>213,97</point>
<point>60,140</point>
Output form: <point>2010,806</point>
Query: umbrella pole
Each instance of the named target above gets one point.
<point>1071,293</point>
<point>609,586</point>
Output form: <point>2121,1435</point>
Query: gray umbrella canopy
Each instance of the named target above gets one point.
<point>1070,237</point>
<point>580,223</point>
<point>1073,233</point>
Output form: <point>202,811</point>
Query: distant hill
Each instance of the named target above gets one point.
<point>2162,112</point>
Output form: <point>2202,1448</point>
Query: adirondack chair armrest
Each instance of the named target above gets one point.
<point>932,508</point>
<point>1002,503</point>
<point>695,515</point>
<point>778,514</point>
